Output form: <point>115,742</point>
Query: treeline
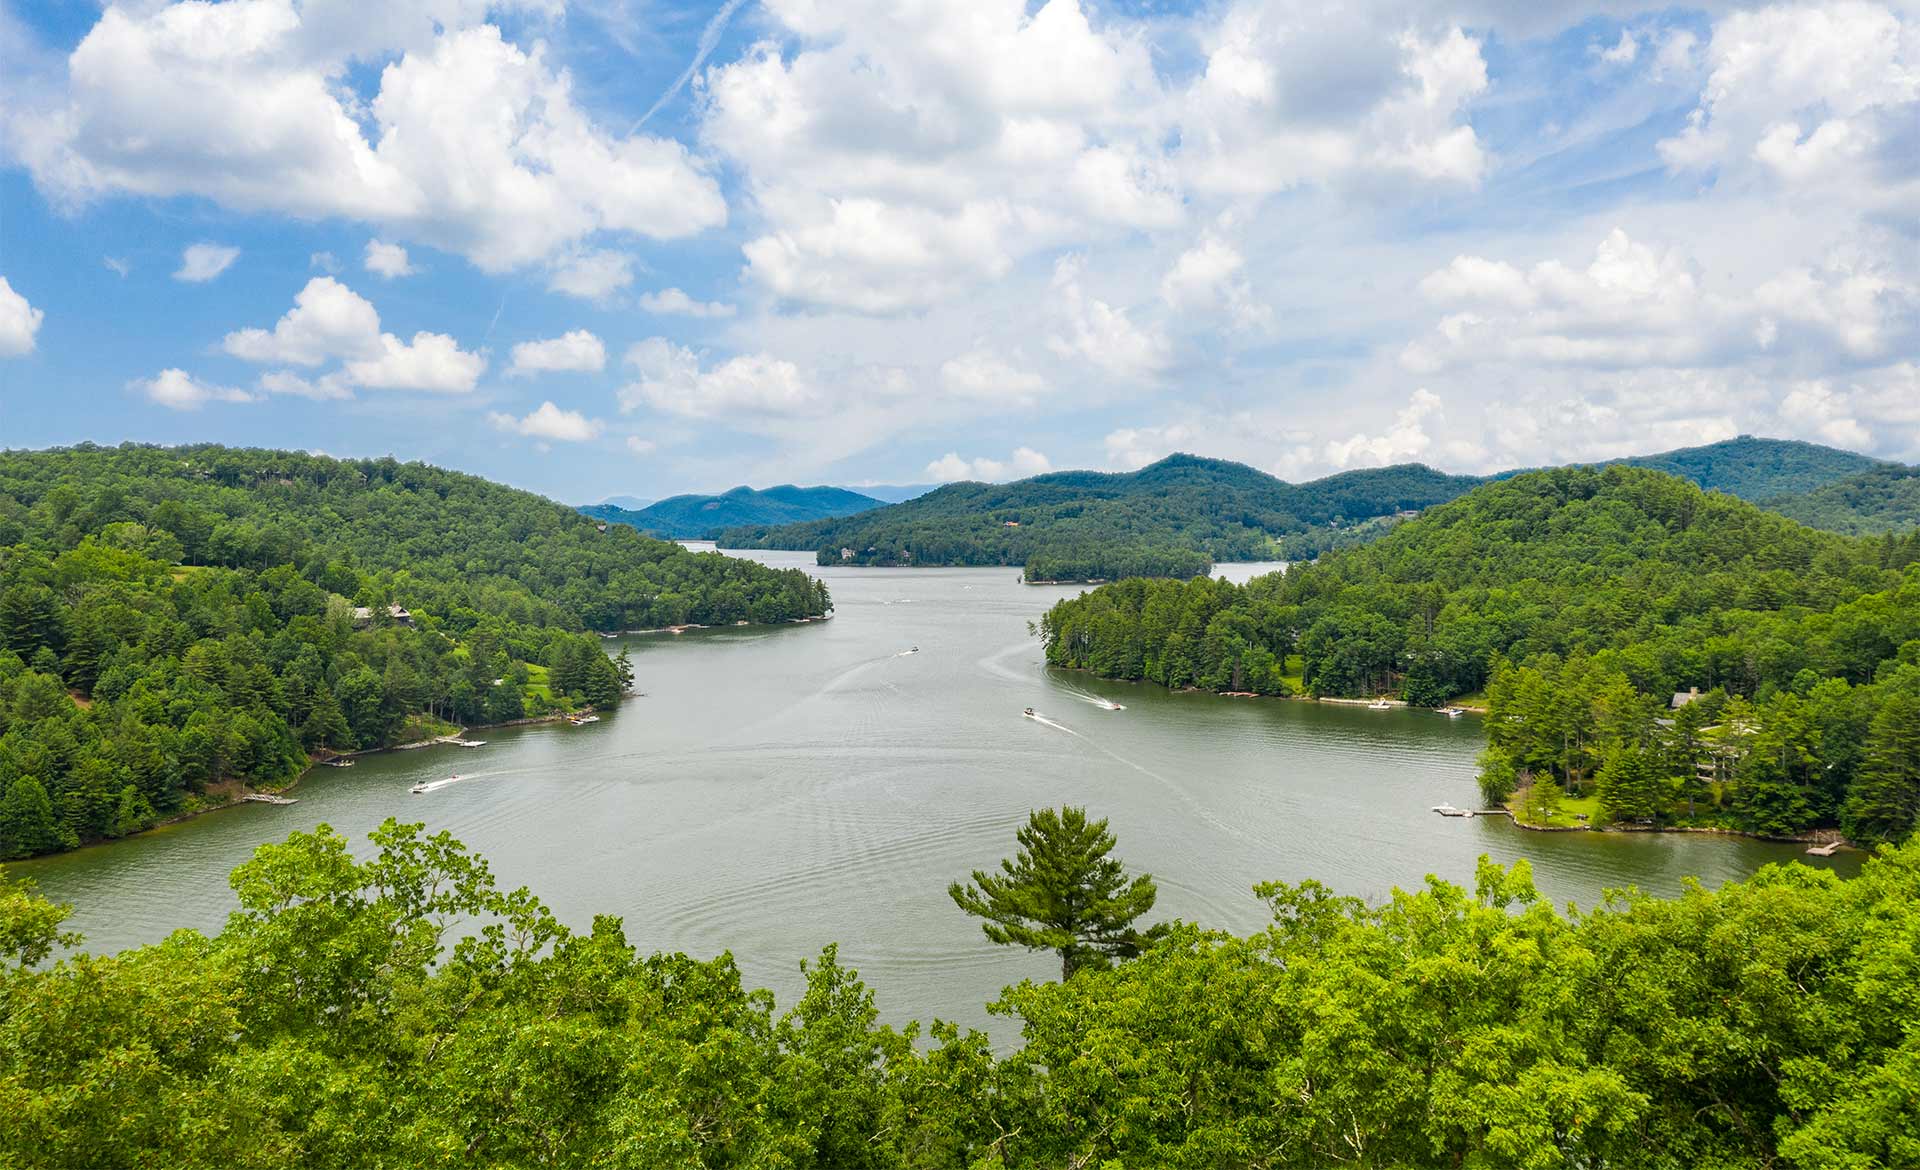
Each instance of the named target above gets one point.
<point>452,544</point>
<point>333,1022</point>
<point>175,619</point>
<point>1170,516</point>
<point>1091,562</point>
<point>1631,573</point>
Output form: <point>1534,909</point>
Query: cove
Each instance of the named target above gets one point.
<point>781,788</point>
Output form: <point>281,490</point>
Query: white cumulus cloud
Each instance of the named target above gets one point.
<point>470,142</point>
<point>176,389</point>
<point>672,379</point>
<point>549,422</point>
<point>389,261</point>
<point>673,301</point>
<point>202,262</point>
<point>19,322</point>
<point>576,351</point>
<point>329,320</point>
<point>1024,462</point>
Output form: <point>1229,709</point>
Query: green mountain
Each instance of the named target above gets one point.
<point>694,517</point>
<point>178,624</point>
<point>1881,499</point>
<point>1758,469</point>
<point>1173,518</point>
<point>1581,600</point>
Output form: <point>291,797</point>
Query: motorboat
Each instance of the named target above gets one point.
<point>583,720</point>
<point>1447,810</point>
<point>1453,712</point>
<point>1029,713</point>
<point>1379,705</point>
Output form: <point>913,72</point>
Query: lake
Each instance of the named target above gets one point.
<point>779,789</point>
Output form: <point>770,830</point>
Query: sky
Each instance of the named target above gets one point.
<point>640,247</point>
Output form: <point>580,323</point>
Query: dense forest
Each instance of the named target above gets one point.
<point>177,620</point>
<point>1758,469</point>
<point>701,517</point>
<point>1883,500</point>
<point>335,1021</point>
<point>1172,518</point>
<point>1582,600</point>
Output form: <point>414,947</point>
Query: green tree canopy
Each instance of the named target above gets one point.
<point>1062,893</point>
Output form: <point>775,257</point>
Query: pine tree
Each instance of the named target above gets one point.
<point>1884,804</point>
<point>1062,893</point>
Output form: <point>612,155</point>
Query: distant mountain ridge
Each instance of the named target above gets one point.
<point>692,517</point>
<point>1757,469</point>
<point>1174,517</point>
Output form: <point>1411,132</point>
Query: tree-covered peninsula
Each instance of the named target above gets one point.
<point>1173,518</point>
<point>1681,656</point>
<point>339,1020</point>
<point>179,622</point>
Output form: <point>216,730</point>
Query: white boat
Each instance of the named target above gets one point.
<point>1379,705</point>
<point>583,720</point>
<point>1447,810</point>
<point>1029,713</point>
<point>1453,712</point>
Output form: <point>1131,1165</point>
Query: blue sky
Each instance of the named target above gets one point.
<point>880,242</point>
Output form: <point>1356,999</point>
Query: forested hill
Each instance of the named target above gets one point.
<point>699,517</point>
<point>1758,469</point>
<point>178,621</point>
<point>1582,599</point>
<point>1884,499</point>
<point>1172,518</point>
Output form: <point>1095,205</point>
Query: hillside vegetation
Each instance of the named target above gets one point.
<point>1581,600</point>
<point>696,517</point>
<point>176,618</point>
<point>335,1022</point>
<point>1173,518</point>
<point>1758,469</point>
<point>1885,499</point>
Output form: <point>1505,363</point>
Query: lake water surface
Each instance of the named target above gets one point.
<point>779,789</point>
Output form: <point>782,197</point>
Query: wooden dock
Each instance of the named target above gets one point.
<point>1827,850</point>
<point>268,798</point>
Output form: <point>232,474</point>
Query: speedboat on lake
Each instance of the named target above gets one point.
<point>1379,705</point>
<point>1029,713</point>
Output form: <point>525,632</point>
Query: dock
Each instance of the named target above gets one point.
<point>1827,850</point>
<point>1447,810</point>
<point>268,798</point>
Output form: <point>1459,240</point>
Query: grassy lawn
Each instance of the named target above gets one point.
<point>1294,673</point>
<point>1476,699</point>
<point>1568,815</point>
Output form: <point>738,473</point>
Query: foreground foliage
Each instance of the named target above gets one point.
<point>1581,600</point>
<point>175,618</point>
<point>1773,1023</point>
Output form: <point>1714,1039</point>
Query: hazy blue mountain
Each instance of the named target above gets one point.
<point>1759,469</point>
<point>628,503</point>
<point>695,516</point>
<point>1170,518</point>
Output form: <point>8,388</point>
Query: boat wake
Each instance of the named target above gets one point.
<point>1044,721</point>
<point>1096,700</point>
<point>427,786</point>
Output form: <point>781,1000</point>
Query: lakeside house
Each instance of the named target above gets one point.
<point>363,615</point>
<point>1682,698</point>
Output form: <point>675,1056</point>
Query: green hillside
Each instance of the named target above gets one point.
<point>1883,499</point>
<point>694,517</point>
<point>1758,469</point>
<point>1581,600</point>
<point>1173,518</point>
<point>179,621</point>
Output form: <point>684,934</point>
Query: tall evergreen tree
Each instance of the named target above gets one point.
<point>1884,804</point>
<point>1062,893</point>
